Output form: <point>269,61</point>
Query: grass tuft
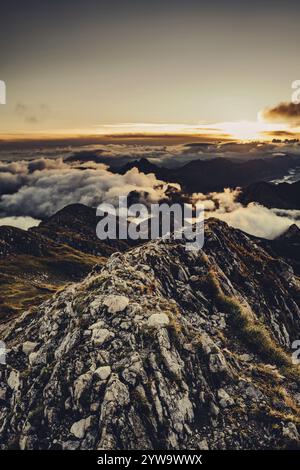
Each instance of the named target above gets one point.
<point>248,327</point>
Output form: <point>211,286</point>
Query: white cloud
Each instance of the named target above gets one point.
<point>39,187</point>
<point>253,219</point>
<point>43,186</point>
<point>20,222</point>
<point>257,220</point>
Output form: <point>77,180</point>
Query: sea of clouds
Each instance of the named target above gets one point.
<point>37,187</point>
<point>41,187</point>
<point>165,155</point>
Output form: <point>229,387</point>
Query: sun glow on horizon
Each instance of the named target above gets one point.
<point>252,130</point>
<point>239,130</point>
<point>223,131</point>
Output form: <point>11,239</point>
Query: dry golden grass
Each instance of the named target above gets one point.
<point>26,280</point>
<point>247,327</point>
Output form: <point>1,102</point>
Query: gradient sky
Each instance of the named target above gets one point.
<point>77,65</point>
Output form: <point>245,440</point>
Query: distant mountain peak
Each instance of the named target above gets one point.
<point>292,232</point>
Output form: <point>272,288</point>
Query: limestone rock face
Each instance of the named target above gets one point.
<point>116,303</point>
<point>28,347</point>
<point>13,380</point>
<point>103,372</point>
<point>80,427</point>
<point>161,348</point>
<point>158,320</point>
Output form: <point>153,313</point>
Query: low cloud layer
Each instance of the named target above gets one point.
<point>253,219</point>
<point>170,156</point>
<point>20,222</point>
<point>41,187</point>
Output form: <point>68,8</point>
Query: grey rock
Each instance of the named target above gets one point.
<point>103,372</point>
<point>79,428</point>
<point>290,432</point>
<point>116,303</point>
<point>158,320</point>
<point>28,347</point>
<point>163,368</point>
<point>224,399</point>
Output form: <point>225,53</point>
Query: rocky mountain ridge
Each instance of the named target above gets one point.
<point>216,173</point>
<point>161,348</point>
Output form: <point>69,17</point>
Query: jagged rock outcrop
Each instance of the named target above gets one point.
<point>162,348</point>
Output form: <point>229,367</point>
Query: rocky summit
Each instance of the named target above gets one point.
<point>161,348</point>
